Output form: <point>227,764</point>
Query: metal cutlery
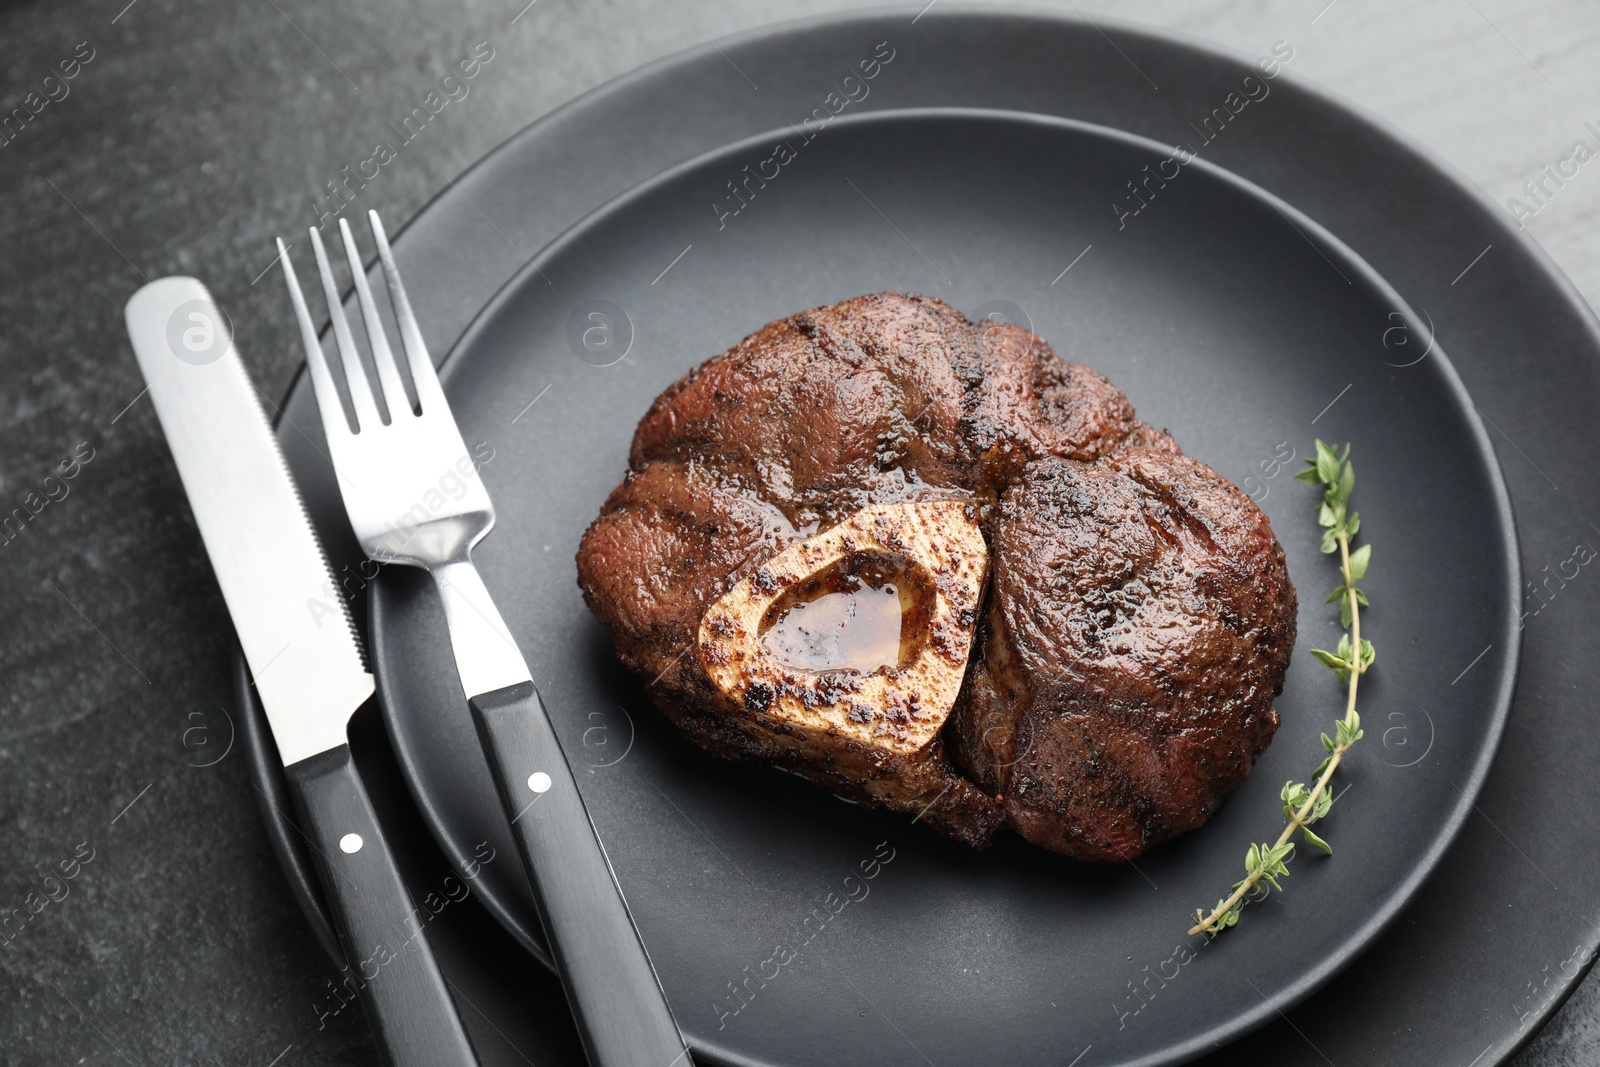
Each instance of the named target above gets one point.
<point>389,464</point>
<point>302,651</point>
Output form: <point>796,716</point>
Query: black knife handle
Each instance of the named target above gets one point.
<point>407,1002</point>
<point>622,1015</point>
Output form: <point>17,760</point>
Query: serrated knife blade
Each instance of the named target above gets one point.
<point>295,629</point>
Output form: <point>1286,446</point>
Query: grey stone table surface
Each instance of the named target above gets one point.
<point>188,136</point>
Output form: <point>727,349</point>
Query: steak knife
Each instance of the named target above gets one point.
<point>303,652</point>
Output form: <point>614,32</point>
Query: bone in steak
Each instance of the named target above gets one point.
<point>928,565</point>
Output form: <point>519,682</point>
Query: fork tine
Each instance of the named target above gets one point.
<point>423,375</point>
<point>391,389</point>
<point>355,375</point>
<point>334,421</point>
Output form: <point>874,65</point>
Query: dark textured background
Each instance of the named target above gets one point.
<point>198,132</point>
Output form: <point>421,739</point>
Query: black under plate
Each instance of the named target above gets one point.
<point>1281,159</point>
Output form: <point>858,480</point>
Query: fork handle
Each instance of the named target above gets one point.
<point>406,999</point>
<point>621,1012</point>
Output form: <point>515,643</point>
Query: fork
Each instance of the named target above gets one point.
<point>389,469</point>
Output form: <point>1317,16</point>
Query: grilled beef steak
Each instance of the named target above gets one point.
<point>797,560</point>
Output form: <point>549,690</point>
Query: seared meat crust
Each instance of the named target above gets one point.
<point>894,399</point>
<point>1140,625</point>
<point>881,399</point>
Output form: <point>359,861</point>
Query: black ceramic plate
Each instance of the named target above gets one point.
<point>1498,937</point>
<point>1226,317</point>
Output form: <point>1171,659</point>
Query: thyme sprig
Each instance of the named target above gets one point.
<point>1302,806</point>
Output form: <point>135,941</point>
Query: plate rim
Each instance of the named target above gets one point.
<point>1377,920</point>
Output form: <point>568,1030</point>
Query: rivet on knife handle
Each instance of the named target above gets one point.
<point>407,1002</point>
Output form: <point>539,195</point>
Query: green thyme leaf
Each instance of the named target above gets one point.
<point>1294,795</point>
<point>1328,659</point>
<point>1323,805</point>
<point>1327,467</point>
